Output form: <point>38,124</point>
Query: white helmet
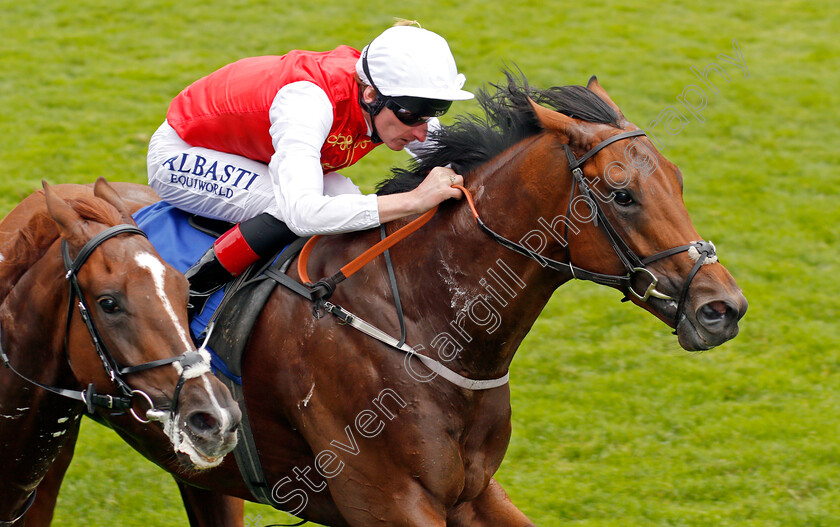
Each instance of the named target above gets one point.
<point>407,61</point>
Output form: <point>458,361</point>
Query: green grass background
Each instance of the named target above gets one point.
<point>614,425</point>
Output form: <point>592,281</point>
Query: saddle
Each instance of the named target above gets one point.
<point>242,302</point>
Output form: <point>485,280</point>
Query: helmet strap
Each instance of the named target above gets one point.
<point>372,108</point>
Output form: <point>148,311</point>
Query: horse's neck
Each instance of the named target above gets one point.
<point>36,301</point>
<point>27,234</point>
<point>478,299</point>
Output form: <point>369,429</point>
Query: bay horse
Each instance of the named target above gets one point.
<point>115,342</point>
<point>351,432</point>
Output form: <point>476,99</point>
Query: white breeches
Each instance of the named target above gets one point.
<point>216,184</point>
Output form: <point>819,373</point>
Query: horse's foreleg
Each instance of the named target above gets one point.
<point>41,513</point>
<point>373,506</point>
<point>490,508</point>
<point>206,508</point>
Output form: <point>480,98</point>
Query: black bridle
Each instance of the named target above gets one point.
<point>633,264</point>
<point>92,400</point>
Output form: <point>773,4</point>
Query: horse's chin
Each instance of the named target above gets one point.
<point>195,461</point>
<point>688,335</point>
<point>189,455</point>
<point>693,340</point>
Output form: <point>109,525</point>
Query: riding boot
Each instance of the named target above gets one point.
<point>206,277</point>
<point>232,253</point>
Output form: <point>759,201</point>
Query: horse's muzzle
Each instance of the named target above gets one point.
<point>207,423</point>
<point>712,323</point>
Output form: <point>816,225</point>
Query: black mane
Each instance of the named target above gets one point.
<point>508,119</point>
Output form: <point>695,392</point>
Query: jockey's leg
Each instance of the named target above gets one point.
<point>206,182</point>
<point>221,186</point>
<point>490,508</point>
<point>259,237</point>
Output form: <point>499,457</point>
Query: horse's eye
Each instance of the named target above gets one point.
<point>623,198</point>
<point>108,304</point>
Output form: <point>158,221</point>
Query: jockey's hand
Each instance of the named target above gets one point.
<point>437,187</point>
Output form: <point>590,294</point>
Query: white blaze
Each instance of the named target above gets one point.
<point>157,270</point>
<point>180,440</point>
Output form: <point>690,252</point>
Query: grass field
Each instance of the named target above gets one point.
<point>614,425</point>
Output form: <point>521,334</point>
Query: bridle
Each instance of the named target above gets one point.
<point>91,399</point>
<point>633,264</point>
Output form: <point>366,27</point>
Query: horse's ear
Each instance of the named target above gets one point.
<point>595,87</point>
<point>70,224</point>
<point>551,120</point>
<point>102,189</point>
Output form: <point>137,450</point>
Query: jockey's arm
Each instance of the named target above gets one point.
<point>301,117</point>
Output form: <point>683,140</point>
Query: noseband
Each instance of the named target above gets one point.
<point>633,264</point>
<point>123,401</point>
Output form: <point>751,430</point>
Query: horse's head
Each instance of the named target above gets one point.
<point>136,304</point>
<point>626,213</point>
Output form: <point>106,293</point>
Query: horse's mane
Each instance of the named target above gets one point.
<point>29,244</point>
<point>508,119</point>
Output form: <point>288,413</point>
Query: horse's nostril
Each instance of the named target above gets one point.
<point>714,310</point>
<point>202,422</point>
<point>715,314</point>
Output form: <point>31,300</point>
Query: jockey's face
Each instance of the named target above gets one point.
<point>391,130</point>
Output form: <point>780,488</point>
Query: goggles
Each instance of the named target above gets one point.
<point>414,111</point>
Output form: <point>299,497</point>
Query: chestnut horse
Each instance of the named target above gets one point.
<point>121,347</point>
<point>351,431</point>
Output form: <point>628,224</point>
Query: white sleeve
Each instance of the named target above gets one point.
<point>301,117</point>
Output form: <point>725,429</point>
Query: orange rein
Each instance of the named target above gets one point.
<point>368,256</point>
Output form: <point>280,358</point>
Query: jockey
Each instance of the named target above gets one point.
<point>259,142</point>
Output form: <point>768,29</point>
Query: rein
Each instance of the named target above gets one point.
<point>319,292</point>
<point>325,287</point>
<point>89,397</point>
